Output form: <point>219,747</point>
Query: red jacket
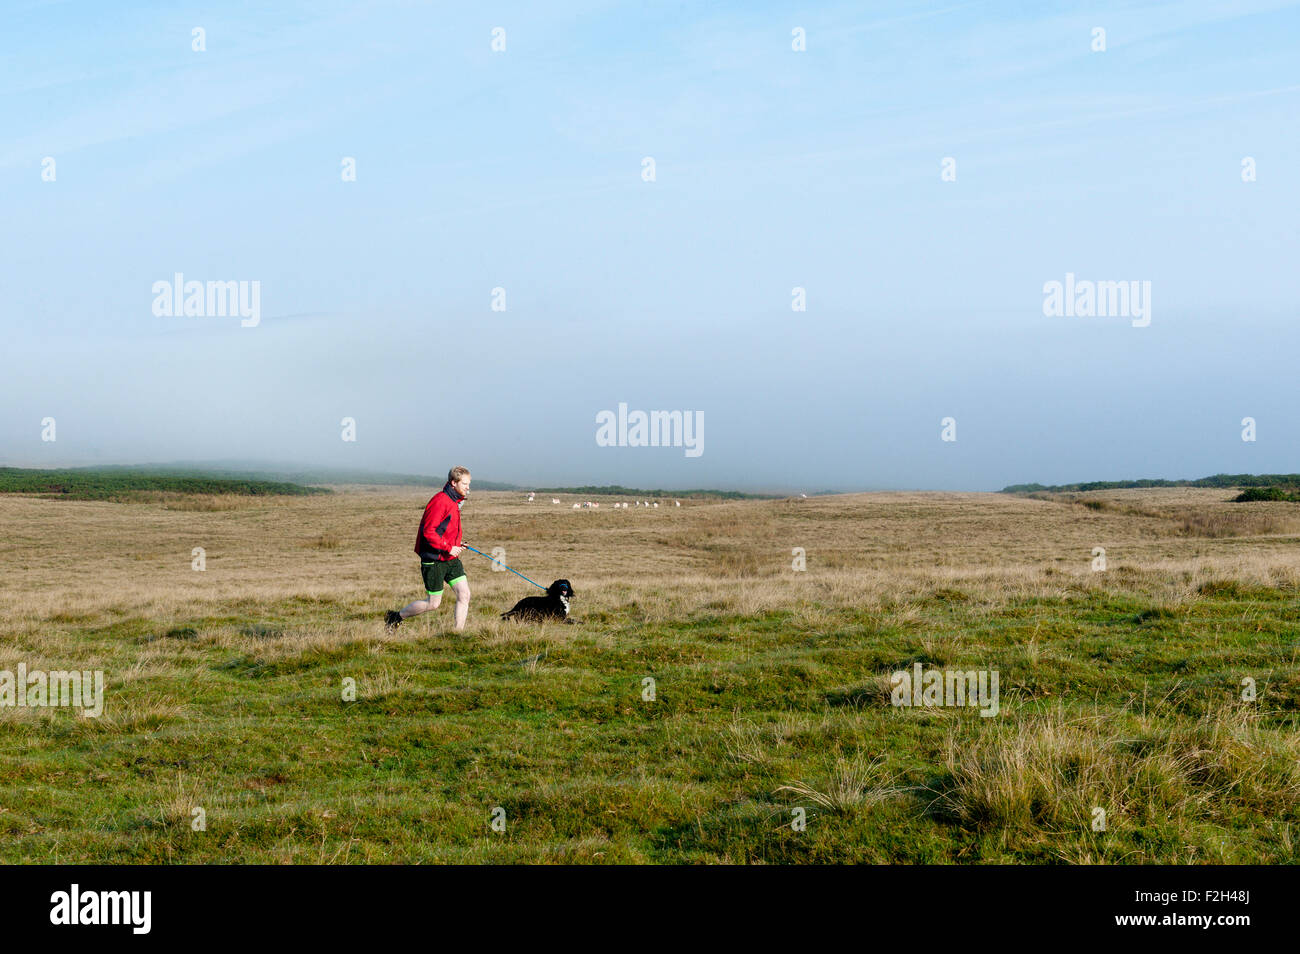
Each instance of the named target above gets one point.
<point>440,527</point>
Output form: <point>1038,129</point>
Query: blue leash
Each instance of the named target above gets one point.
<point>502,565</point>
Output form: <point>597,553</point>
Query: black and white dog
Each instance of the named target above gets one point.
<point>554,605</point>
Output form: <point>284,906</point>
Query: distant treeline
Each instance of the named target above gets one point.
<point>614,490</point>
<point>308,475</point>
<point>111,481</point>
<point>1218,480</point>
<point>92,483</point>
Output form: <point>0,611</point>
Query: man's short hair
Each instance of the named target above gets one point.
<point>456,473</point>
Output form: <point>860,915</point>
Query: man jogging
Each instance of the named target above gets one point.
<point>439,544</point>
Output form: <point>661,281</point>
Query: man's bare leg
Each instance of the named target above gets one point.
<point>416,607</point>
<point>461,590</point>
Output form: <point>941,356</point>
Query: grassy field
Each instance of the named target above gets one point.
<point>1120,690</point>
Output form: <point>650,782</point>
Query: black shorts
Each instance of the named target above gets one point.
<point>435,574</point>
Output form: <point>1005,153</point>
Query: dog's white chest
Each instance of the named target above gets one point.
<point>564,600</point>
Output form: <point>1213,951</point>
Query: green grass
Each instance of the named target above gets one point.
<point>1107,700</point>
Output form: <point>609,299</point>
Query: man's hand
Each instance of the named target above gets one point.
<point>456,551</point>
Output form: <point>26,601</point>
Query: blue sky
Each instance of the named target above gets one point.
<point>521,169</point>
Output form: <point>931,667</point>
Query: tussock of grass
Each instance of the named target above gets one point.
<point>1051,771</point>
<point>872,694</point>
<point>852,784</point>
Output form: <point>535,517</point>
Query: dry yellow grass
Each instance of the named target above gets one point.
<point>83,562</point>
